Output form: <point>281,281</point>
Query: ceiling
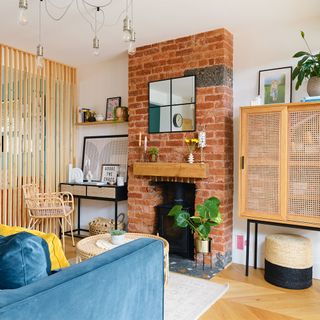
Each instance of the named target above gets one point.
<point>70,40</point>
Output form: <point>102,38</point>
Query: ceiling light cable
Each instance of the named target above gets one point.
<point>96,21</point>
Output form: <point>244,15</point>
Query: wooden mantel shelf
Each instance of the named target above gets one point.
<point>171,169</point>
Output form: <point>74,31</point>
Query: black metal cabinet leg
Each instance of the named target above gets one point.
<point>248,247</point>
<point>116,214</point>
<point>79,205</point>
<point>255,245</point>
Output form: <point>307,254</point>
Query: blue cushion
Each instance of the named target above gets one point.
<point>24,258</point>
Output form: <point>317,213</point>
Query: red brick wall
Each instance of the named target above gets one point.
<point>214,109</point>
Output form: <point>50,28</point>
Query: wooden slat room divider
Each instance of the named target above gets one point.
<point>37,128</point>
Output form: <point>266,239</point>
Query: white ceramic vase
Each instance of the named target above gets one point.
<point>191,158</point>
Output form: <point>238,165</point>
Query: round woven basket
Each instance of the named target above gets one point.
<point>288,261</point>
<point>105,225</point>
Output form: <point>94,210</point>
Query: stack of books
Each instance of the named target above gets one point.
<point>311,99</point>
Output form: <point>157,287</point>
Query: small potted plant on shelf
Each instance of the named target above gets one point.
<point>208,216</point>
<point>117,236</point>
<point>308,67</point>
<point>153,154</point>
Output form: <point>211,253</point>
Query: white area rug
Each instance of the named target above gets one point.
<point>187,298</point>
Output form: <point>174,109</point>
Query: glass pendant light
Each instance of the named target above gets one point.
<point>96,46</point>
<point>22,17</point>
<point>126,26</point>
<point>96,42</point>
<point>40,58</point>
<point>132,44</point>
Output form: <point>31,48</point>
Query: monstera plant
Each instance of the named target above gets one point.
<point>207,216</point>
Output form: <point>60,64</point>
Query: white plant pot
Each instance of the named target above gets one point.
<point>313,86</point>
<point>120,239</point>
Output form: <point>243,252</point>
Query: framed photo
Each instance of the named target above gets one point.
<point>112,103</point>
<point>98,150</point>
<point>275,85</point>
<point>109,173</point>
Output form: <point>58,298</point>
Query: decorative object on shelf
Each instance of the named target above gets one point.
<point>105,149</point>
<point>89,176</point>
<point>84,114</point>
<point>275,85</point>
<point>99,117</point>
<point>121,113</point>
<point>112,104</point>
<point>311,99</point>
<point>191,144</point>
<point>109,173</point>
<point>92,116</point>
<point>308,67</point>
<point>118,237</point>
<point>202,142</point>
<point>105,225</point>
<point>120,181</point>
<point>257,101</point>
<point>172,105</point>
<point>153,154</point>
<point>75,175</point>
<point>208,215</point>
<point>92,13</point>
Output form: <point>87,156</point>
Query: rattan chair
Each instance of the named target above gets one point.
<point>57,206</point>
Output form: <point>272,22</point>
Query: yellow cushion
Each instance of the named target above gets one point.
<point>57,257</point>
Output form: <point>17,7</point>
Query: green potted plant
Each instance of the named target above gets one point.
<point>117,236</point>
<point>208,216</point>
<point>153,154</point>
<point>308,67</point>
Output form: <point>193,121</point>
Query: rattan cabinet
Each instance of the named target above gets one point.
<point>279,175</point>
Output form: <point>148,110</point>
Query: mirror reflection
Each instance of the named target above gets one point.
<point>183,90</point>
<point>159,93</point>
<point>172,105</point>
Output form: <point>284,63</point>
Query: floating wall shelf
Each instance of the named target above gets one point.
<point>95,123</point>
<point>168,169</point>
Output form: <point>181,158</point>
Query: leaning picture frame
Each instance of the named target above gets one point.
<point>98,150</point>
<point>109,173</point>
<point>112,103</point>
<point>275,85</point>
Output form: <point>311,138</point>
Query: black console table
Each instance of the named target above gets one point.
<point>95,191</point>
<point>256,223</point>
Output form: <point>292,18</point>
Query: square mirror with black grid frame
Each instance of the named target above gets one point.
<point>172,105</point>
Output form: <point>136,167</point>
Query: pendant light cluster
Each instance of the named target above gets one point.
<point>85,8</point>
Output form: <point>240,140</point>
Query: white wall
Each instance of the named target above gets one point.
<point>97,82</point>
<point>264,47</point>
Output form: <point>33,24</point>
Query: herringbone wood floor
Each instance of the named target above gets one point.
<point>252,298</point>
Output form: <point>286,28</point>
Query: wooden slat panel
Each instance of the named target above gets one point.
<point>36,120</point>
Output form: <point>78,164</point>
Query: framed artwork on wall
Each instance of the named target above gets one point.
<point>275,85</point>
<point>112,103</point>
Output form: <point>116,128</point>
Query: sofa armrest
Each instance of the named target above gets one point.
<point>125,283</point>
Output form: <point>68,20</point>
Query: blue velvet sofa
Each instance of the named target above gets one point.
<point>123,284</point>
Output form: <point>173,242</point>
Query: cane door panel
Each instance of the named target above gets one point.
<point>304,164</point>
<point>261,162</point>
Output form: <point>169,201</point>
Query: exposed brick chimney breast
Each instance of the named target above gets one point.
<point>209,56</point>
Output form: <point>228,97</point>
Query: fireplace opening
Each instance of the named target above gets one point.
<point>180,239</point>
